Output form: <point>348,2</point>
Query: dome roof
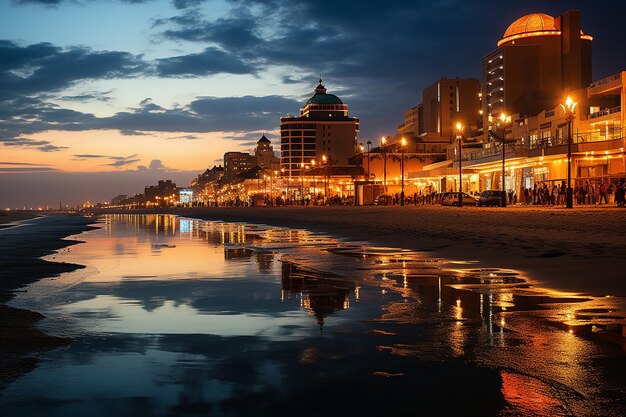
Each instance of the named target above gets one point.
<point>321,97</point>
<point>324,99</point>
<point>535,22</point>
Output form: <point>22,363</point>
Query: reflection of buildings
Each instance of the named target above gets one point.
<point>322,296</point>
<point>264,261</point>
<point>237,253</point>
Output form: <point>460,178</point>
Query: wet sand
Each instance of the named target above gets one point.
<point>8,218</point>
<point>581,250</point>
<point>21,249</point>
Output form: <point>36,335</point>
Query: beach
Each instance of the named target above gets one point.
<point>24,239</point>
<point>581,250</point>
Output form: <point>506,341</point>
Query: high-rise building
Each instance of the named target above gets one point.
<point>237,162</point>
<point>322,128</point>
<point>265,156</point>
<point>448,101</point>
<point>539,59</point>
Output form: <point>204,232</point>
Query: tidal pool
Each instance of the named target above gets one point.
<point>175,316</point>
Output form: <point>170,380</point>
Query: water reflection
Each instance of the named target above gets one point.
<point>177,316</point>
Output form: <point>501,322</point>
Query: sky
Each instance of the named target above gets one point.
<point>102,97</point>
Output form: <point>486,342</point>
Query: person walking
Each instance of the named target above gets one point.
<point>603,194</point>
<point>619,194</point>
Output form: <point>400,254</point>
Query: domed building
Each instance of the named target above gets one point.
<point>538,60</point>
<point>323,129</point>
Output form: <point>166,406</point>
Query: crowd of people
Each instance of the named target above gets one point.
<point>590,193</point>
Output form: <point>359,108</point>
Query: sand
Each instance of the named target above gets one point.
<point>582,250</point>
<point>21,247</point>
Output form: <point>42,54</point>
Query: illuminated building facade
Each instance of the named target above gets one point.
<point>538,59</point>
<point>265,157</point>
<point>236,163</point>
<point>322,128</point>
<point>164,193</point>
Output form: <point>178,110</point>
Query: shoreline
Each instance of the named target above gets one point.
<point>21,251</point>
<point>581,251</point>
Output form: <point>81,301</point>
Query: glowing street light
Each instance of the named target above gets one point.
<point>314,180</point>
<point>569,107</point>
<point>325,176</point>
<point>383,144</point>
<point>459,130</point>
<point>402,146</point>
<point>502,120</point>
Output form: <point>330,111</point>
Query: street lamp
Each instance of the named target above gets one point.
<point>302,182</point>
<point>459,129</point>
<point>569,107</point>
<point>325,177</point>
<point>383,147</point>
<point>369,145</point>
<point>502,120</point>
<point>402,145</point>
<point>314,182</point>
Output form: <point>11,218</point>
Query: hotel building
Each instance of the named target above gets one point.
<point>538,59</point>
<point>536,126</point>
<point>323,128</point>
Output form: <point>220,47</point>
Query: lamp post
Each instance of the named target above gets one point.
<point>383,143</point>
<point>302,183</point>
<point>402,145</point>
<point>502,120</point>
<point>569,107</point>
<point>325,176</point>
<point>369,145</point>
<point>314,182</point>
<point>459,130</point>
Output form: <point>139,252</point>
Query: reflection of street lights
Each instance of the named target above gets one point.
<point>569,107</point>
<point>459,130</point>
<point>383,143</point>
<point>402,145</point>
<point>502,120</point>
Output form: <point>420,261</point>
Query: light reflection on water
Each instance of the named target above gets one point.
<point>177,316</point>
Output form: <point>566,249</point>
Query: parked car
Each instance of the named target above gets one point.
<point>452,199</point>
<point>490,198</point>
<point>383,200</point>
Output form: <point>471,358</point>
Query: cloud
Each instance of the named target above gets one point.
<point>188,137</point>
<point>24,167</point>
<point>156,165</point>
<point>122,162</point>
<point>26,116</point>
<point>209,62</point>
<point>20,163</point>
<point>40,145</point>
<point>8,170</point>
<point>44,67</point>
<point>88,96</point>
<point>117,161</point>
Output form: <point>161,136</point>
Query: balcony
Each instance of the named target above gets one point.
<point>605,85</point>
<point>599,140</point>
<point>605,112</point>
<point>493,153</point>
